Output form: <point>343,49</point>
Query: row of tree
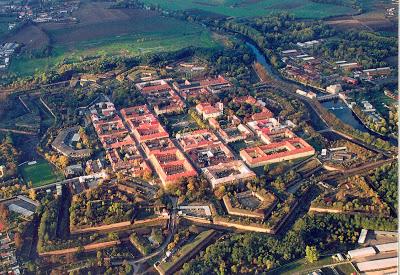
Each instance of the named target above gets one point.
<point>9,156</point>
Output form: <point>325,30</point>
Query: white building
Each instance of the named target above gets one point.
<point>301,92</point>
<point>2,171</point>
<point>334,89</point>
<point>363,236</point>
<point>378,264</point>
<point>311,95</point>
<point>387,247</point>
<point>361,252</point>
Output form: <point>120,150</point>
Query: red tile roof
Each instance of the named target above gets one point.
<point>171,165</point>
<point>134,112</point>
<point>293,146</point>
<point>197,139</point>
<point>220,80</point>
<point>156,88</point>
<point>149,131</point>
<point>207,108</point>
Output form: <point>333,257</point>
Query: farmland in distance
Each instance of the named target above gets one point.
<point>102,31</point>
<point>251,8</point>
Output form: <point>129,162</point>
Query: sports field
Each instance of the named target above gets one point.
<point>250,8</point>
<point>39,174</point>
<point>102,31</point>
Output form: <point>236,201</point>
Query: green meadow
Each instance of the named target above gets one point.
<point>39,174</point>
<point>118,38</point>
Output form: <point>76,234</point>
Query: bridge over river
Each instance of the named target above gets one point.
<point>323,98</point>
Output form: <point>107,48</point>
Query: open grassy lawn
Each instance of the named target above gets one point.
<point>40,173</point>
<point>102,31</point>
<point>249,8</point>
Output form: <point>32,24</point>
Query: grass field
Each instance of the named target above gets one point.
<point>301,265</point>
<point>39,174</point>
<point>250,8</point>
<point>130,45</point>
<point>101,31</point>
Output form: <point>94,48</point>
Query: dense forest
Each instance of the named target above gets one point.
<point>283,30</point>
<point>385,180</point>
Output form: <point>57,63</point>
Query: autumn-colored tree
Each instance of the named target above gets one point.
<point>220,192</point>
<point>18,240</point>
<point>171,246</point>
<point>32,194</point>
<point>147,175</point>
<point>63,161</point>
<point>4,215</point>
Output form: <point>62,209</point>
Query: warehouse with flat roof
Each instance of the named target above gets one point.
<point>387,247</point>
<point>378,264</point>
<point>361,252</point>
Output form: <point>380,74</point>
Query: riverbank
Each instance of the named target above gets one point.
<point>356,123</point>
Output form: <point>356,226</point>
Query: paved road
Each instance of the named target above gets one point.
<point>76,179</point>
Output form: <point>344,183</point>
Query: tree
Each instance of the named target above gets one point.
<point>147,175</point>
<point>171,246</point>
<point>128,267</point>
<point>266,168</point>
<point>156,235</point>
<point>4,214</point>
<point>89,213</point>
<point>30,266</point>
<point>32,194</point>
<point>312,254</point>
<point>18,240</point>
<point>220,192</point>
<point>63,161</point>
<point>100,258</point>
<point>112,236</point>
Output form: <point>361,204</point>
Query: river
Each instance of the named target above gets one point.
<point>343,112</point>
<point>337,107</point>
